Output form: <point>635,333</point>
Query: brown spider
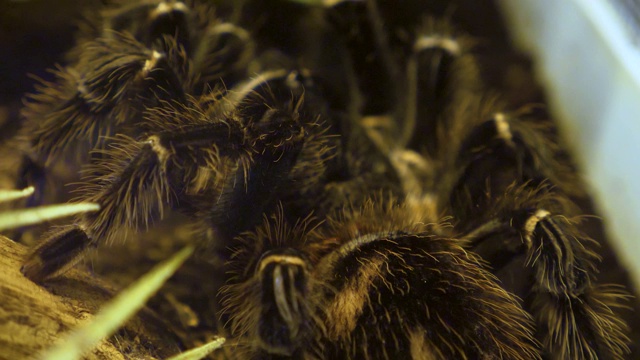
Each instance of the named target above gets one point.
<point>341,239</point>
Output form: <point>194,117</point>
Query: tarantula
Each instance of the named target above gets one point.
<point>342,239</point>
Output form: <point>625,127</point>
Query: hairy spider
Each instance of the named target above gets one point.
<point>359,215</point>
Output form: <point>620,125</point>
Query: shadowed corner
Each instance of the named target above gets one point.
<point>63,307</point>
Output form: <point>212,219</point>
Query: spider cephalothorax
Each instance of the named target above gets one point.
<point>358,216</point>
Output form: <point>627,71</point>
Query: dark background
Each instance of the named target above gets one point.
<point>34,36</point>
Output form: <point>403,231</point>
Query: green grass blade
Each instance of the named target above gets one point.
<point>201,351</point>
<point>9,195</point>
<point>16,218</point>
<point>115,313</point>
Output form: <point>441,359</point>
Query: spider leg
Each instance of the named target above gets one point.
<point>441,76</point>
<point>184,165</point>
<point>113,82</point>
<point>375,284</point>
<point>110,87</point>
<point>510,198</point>
<point>220,52</point>
<point>575,317</point>
<point>440,71</point>
<point>268,297</point>
<point>149,22</point>
<point>359,171</point>
<point>506,182</point>
<point>139,57</point>
<point>254,189</point>
<point>223,56</point>
<point>392,288</point>
<point>139,168</point>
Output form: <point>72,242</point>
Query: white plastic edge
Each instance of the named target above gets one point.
<point>589,63</point>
